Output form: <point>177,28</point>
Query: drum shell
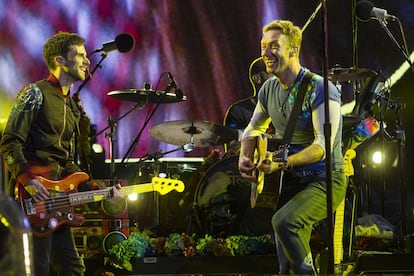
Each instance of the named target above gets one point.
<point>222,200</point>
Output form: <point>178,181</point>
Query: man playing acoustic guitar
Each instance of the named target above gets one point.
<point>39,141</point>
<point>302,201</point>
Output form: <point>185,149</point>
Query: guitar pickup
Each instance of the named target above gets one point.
<point>29,207</point>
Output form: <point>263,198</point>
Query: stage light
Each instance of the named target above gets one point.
<point>133,197</point>
<point>162,175</point>
<point>377,157</point>
<point>97,148</point>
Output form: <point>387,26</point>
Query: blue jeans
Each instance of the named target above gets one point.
<point>59,252</point>
<point>301,204</point>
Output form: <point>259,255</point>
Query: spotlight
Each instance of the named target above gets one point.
<point>97,148</point>
<point>133,197</point>
<point>377,157</point>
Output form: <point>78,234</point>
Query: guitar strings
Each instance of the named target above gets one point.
<point>62,201</point>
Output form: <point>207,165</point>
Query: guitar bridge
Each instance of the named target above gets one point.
<point>281,154</point>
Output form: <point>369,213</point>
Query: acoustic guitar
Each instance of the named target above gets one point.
<point>280,156</point>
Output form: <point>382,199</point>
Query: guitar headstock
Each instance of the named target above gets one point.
<point>348,168</point>
<point>166,185</point>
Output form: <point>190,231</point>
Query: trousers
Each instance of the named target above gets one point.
<point>59,252</point>
<point>301,204</point>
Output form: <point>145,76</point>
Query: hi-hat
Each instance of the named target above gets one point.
<point>147,96</point>
<point>338,74</point>
<point>202,133</point>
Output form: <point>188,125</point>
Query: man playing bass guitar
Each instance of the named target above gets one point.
<point>39,141</point>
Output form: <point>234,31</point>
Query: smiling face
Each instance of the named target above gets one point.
<point>275,52</point>
<point>280,46</point>
<point>76,63</point>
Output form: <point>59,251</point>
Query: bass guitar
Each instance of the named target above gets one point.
<point>47,216</point>
<point>280,156</point>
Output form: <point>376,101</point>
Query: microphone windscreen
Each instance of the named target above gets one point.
<point>124,42</point>
<point>363,10</point>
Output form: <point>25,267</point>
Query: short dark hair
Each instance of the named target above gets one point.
<point>59,45</point>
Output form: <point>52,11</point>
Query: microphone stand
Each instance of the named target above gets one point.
<point>327,132</point>
<point>89,77</point>
<point>77,99</point>
<point>403,51</point>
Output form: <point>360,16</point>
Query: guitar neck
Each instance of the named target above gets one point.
<point>137,189</point>
<point>89,196</point>
<point>161,185</point>
<point>99,195</point>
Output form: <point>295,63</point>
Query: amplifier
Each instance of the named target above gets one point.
<point>96,236</point>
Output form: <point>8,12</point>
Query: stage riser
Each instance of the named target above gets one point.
<point>385,263</point>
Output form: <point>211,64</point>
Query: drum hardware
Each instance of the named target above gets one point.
<point>144,96</point>
<point>195,133</point>
<point>340,74</point>
<point>221,203</point>
<point>141,97</point>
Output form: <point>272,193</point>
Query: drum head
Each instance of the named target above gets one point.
<point>222,201</point>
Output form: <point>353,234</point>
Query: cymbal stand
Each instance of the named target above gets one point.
<point>112,124</point>
<point>138,136</point>
<point>156,157</point>
<point>399,136</point>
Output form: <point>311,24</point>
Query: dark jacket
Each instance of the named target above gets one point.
<point>41,132</point>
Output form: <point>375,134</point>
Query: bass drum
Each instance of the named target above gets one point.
<point>222,203</point>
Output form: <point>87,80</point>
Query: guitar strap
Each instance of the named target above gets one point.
<point>291,125</point>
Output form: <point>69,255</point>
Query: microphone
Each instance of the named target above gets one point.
<point>365,11</point>
<point>123,42</point>
<point>178,93</point>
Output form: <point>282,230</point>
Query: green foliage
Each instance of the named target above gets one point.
<point>141,245</point>
<point>137,245</point>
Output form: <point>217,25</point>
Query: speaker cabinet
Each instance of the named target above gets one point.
<point>96,236</point>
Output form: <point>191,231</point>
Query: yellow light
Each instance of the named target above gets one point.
<point>133,197</point>
<point>377,157</point>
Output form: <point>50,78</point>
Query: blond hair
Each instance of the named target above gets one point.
<point>292,32</point>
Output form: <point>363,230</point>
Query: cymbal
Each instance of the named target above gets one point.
<point>147,96</point>
<point>203,133</point>
<point>338,74</point>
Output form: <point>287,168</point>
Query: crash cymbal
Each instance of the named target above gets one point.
<point>338,74</point>
<point>147,96</point>
<point>203,133</point>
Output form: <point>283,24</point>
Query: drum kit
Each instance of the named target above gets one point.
<point>221,198</point>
